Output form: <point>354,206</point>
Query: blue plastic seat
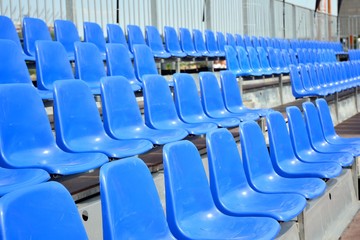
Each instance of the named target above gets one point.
<point>301,142</point>
<point>230,189</point>
<point>34,29</point>
<point>8,31</point>
<point>264,61</point>
<point>255,63</point>
<point>283,157</point>
<point>188,103</point>
<point>293,57</point>
<point>67,34</point>
<point>190,209</point>
<point>260,172</point>
<point>79,127</point>
<point>132,211</point>
<point>187,44</point>
<point>255,42</point>
<point>297,87</point>
<point>315,81</point>
<point>230,40</point>
<point>276,60</point>
<point>27,139</point>
<point>93,33</point>
<point>221,42</point>
<point>211,44</point>
<point>13,68</point>
<point>155,42</point>
<point>212,100</point>
<point>52,64</point>
<point>232,96</point>
<point>247,41</point>
<point>262,42</point>
<point>118,63</point>
<point>172,44</point>
<point>239,40</point>
<point>317,139</point>
<point>244,62</point>
<point>122,117</point>
<point>43,211</point>
<point>199,44</point>
<point>116,34</point>
<point>286,56</point>
<point>89,65</point>
<point>232,63</point>
<point>328,127</point>
<point>160,110</point>
<point>135,36</point>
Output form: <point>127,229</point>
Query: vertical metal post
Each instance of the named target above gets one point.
<point>354,173</point>
<point>337,105</point>
<point>301,223</point>
<point>117,12</point>
<point>281,89</point>
<point>356,100</point>
<point>240,83</point>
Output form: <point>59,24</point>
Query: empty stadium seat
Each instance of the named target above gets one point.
<point>297,86</point>
<point>160,111</point>
<point>230,40</point>
<point>190,209</point>
<point>28,141</point>
<point>239,40</point>
<point>293,57</point>
<point>188,103</point>
<point>52,64</point>
<point>135,36</point>
<point>43,211</point>
<point>212,100</point>
<point>155,42</point>
<point>8,31</point>
<point>232,63</point>
<point>34,29</point>
<point>249,59</point>
<point>118,63</point>
<point>264,61</point>
<point>221,42</point>
<point>302,146</point>
<point>187,44</point>
<point>13,68</point>
<point>260,172</point>
<point>276,60</point>
<point>283,157</point>
<point>122,117</point>
<point>316,135</point>
<point>67,34</point>
<point>247,41</point>
<point>172,44</point>
<point>132,211</point>
<point>307,82</point>
<point>79,127</point>
<point>211,44</point>
<point>93,33</point>
<point>232,96</point>
<point>116,35</point>
<point>244,62</point>
<point>230,189</point>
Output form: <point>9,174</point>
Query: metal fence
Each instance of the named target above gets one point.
<point>272,18</point>
<point>349,33</point>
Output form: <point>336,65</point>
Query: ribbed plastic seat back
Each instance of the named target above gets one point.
<point>293,57</point>
<point>131,207</point>
<point>186,41</point>
<point>221,42</point>
<point>172,44</point>
<point>93,33</point>
<point>155,42</point>
<point>247,41</point>
<point>44,211</point>
<point>325,117</point>
<point>34,29</point>
<point>254,61</point>
<point>305,78</point>
<point>232,62</point>
<point>263,58</point>
<point>230,91</point>
<point>211,43</point>
<point>199,43</point>
<point>135,36</point>
<point>297,87</point>
<point>243,59</point>
<point>67,34</point>
<point>115,34</point>
<point>144,62</point>
<point>273,59</point>
<point>52,64</point>
<point>230,40</point>
<point>239,41</point>
<point>263,43</point>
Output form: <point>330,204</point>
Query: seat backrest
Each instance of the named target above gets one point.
<point>89,65</point>
<point>257,162</point>
<point>286,57</point>
<point>273,58</point>
<point>116,34</point>
<point>230,90</point>
<point>293,57</point>
<point>263,43</point>
<point>8,30</point>
<point>118,62</point>
<point>119,106</point>
<point>263,58</point>
<point>211,97</point>
<point>226,170</point>
<point>187,100</point>
<point>325,117</point>
<point>313,76</point>
<point>255,42</point>
<point>144,62</point>
<point>305,78</point>
<point>186,187</point>
<point>13,68</point>
<point>153,38</point>
<point>135,36</point>
<point>230,39</point>
<point>199,42</point>
<point>93,33</point>
<point>253,58</point>
<point>75,112</point>
<point>66,33</point>
<point>158,102</point>
<point>43,211</point>
<point>171,39</point>
<point>34,29</point>
<point>313,124</point>
<point>24,123</point>
<point>239,40</point>
<point>302,58</point>
<point>296,82</point>
<point>210,41</point>
<point>280,58</point>
<point>247,41</point>
<point>186,41</point>
<point>232,62</point>
<point>52,64</point>
<point>243,59</point>
<point>132,211</point>
<point>220,41</point>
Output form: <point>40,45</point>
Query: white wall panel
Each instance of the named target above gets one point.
<point>227,16</point>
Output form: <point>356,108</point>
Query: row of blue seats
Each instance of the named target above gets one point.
<point>354,54</point>
<point>269,186</point>
<point>185,45</point>
<point>318,80</point>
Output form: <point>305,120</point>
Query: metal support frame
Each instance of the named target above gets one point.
<point>281,89</point>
